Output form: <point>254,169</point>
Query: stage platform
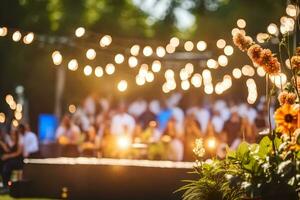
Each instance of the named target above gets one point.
<point>107,179</point>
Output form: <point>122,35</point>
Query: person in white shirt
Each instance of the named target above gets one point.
<point>122,122</point>
<point>30,141</point>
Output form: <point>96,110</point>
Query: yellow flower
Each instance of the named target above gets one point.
<point>286,118</point>
<point>295,143</point>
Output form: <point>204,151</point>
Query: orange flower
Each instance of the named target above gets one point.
<point>286,118</point>
<point>295,143</point>
<point>242,41</point>
<point>295,61</point>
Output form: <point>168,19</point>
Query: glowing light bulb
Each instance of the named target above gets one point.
<point>228,50</point>
<point>87,70</point>
<point>2,117</point>
<point>140,80</point>
<point>156,66</point>
<point>3,31</point>
<point>122,86</point>
<point>99,71</point>
<point>16,37</point>
<point>241,23</point>
<point>196,80</point>
<point>119,58</point>
<point>79,32</point>
<point>123,142</point>
<point>188,45</point>
<point>57,58</point>
<point>132,61</point>
<point>160,51</point>
<point>72,108</point>
<point>221,43</point>
<point>222,60</point>
<point>134,50</point>
<point>169,74</point>
<point>105,41</point>
<point>237,73</point>
<point>272,29</point>
<point>90,54</point>
<point>147,51</point>
<point>110,69</point>
<point>211,63</point>
<point>28,38</point>
<point>201,45</point>
<point>170,48</point>
<point>185,85</point>
<point>149,76</point>
<point>73,65</point>
<point>174,41</point>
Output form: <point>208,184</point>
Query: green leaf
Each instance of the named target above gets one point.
<point>242,150</point>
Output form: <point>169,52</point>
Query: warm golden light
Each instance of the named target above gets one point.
<point>149,76</point>
<point>72,108</point>
<point>291,10</point>
<point>28,38</point>
<point>221,43</point>
<point>119,58</point>
<point>132,61</point>
<point>174,41</point>
<point>211,143</point>
<point>105,41</point>
<point>156,66</point>
<point>2,117</point>
<point>16,37</point>
<point>19,107</point>
<point>110,69</point>
<point>188,45</point>
<point>18,115</point>
<point>147,51</point>
<point>236,72</point>
<point>201,45</point>
<point>90,54</point>
<point>208,89</point>
<point>272,29</point>
<point>3,31</point>
<point>189,67</point>
<point>183,74</point>
<point>196,80</point>
<point>122,86</point>
<point>87,70</point>
<point>140,80</point>
<point>241,23</point>
<point>15,123</point>
<point>73,65</point>
<point>260,71</point>
<point>212,64</point>
<point>123,142</point>
<point>99,71</point>
<point>79,32</point>
<point>279,80</point>
<point>134,50</point>
<point>169,74</point>
<point>160,51</point>
<point>222,60</point>
<point>170,48</point>
<point>228,50</point>
<point>185,85</point>
<point>9,99</point>
<point>56,57</point>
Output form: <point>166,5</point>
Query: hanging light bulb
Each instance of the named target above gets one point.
<point>28,38</point>
<point>3,31</point>
<point>79,32</point>
<point>90,54</point>
<point>119,58</point>
<point>110,69</point>
<point>122,86</point>
<point>73,65</point>
<point>98,71</point>
<point>156,66</point>
<point>105,41</point>
<point>201,45</point>
<point>160,51</point>
<point>132,61</point>
<point>87,70</point>
<point>16,37</point>
<point>188,45</point>
<point>57,58</point>
<point>221,43</point>
<point>147,51</point>
<point>174,41</point>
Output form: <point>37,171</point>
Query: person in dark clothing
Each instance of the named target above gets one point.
<point>232,128</point>
<point>145,118</point>
<point>13,159</point>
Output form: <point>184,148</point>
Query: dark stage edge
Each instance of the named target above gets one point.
<point>105,179</point>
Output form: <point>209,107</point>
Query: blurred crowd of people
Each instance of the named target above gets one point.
<point>157,129</point>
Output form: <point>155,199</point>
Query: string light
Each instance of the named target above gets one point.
<point>221,43</point>
<point>16,37</point>
<point>261,72</point>
<point>105,41</point>
<point>272,29</point>
<point>72,108</point>
<point>189,67</point>
<point>188,45</point>
<point>201,45</point>
<point>222,60</point>
<point>252,91</point>
<point>18,115</point>
<point>28,38</point>
<point>73,65</point>
<point>140,80</point>
<point>208,89</point>
<point>212,64</point>
<point>174,41</point>
<point>196,80</point>
<point>79,32</point>
<point>169,74</point>
<point>56,58</point>
<point>170,48</point>
<point>122,86</point>
<point>119,58</point>
<point>236,72</point>
<point>3,31</point>
<point>134,50</point>
<point>241,23</point>
<point>160,51</point>
<point>279,80</point>
<point>87,70</point>
<point>247,70</point>
<point>206,75</point>
<point>110,69</point>
<point>262,37</point>
<point>147,51</point>
<point>228,50</point>
<point>165,88</point>
<point>185,85</point>
<point>183,74</point>
<point>132,61</point>
<point>90,54</point>
<point>2,117</point>
<point>156,66</point>
<point>143,70</point>
<point>99,71</point>
<point>149,76</point>
<point>291,10</point>
<point>15,123</point>
<point>234,31</point>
